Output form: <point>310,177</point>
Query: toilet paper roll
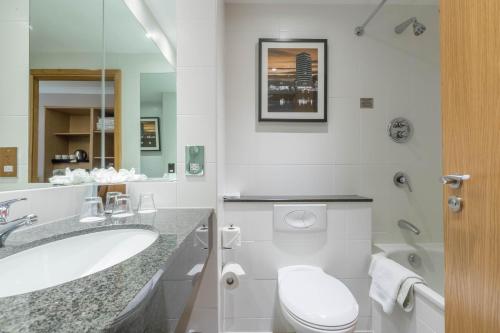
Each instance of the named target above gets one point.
<point>231,274</point>
<point>231,237</point>
<point>201,237</point>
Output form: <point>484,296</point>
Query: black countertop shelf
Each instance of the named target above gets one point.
<point>301,198</point>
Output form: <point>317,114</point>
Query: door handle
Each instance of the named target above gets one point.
<point>454,181</point>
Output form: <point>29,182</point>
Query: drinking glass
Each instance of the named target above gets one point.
<point>122,207</point>
<point>110,201</point>
<point>146,204</point>
<point>92,210</point>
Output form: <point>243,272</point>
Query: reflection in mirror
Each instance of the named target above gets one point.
<point>158,124</point>
<point>90,61</point>
<point>68,99</point>
<point>148,88</point>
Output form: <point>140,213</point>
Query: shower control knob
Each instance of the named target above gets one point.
<point>455,204</point>
<point>400,130</point>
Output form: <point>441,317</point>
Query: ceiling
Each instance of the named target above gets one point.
<point>153,85</point>
<point>76,26</point>
<point>339,2</point>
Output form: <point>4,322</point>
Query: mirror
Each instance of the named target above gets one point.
<point>148,88</point>
<point>158,124</point>
<point>95,69</point>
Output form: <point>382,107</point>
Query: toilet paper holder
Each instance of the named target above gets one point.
<point>231,237</point>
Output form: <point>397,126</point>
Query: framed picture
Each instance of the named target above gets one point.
<point>293,80</point>
<point>150,134</point>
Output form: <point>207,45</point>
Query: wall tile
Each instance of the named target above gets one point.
<point>195,9</point>
<point>14,38</point>
<point>193,191</point>
<point>255,220</point>
<point>14,10</point>
<point>260,299</point>
<point>196,130</point>
<point>165,193</point>
<point>196,91</point>
<point>196,43</point>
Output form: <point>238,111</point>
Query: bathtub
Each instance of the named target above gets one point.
<point>427,260</point>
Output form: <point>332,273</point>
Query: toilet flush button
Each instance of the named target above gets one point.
<point>300,217</point>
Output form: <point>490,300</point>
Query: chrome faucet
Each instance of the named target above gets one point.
<point>4,209</point>
<point>403,224</point>
<point>10,226</point>
<point>401,179</point>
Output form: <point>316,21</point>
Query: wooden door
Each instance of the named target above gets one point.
<point>470,48</point>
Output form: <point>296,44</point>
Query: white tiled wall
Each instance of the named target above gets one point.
<point>342,251</point>
<point>196,97</point>
<point>197,125</point>
<point>14,36</point>
<point>352,152</point>
<point>49,204</point>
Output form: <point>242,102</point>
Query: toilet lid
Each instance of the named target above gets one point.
<point>316,297</point>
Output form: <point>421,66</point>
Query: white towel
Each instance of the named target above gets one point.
<point>391,282</point>
<point>406,296</point>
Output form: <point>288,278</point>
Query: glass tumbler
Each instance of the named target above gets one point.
<point>92,210</point>
<point>110,201</point>
<point>146,204</point>
<point>122,207</point>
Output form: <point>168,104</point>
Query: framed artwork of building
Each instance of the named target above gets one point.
<point>150,134</point>
<point>293,80</point>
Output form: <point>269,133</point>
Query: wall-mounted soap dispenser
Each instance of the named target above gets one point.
<point>195,160</point>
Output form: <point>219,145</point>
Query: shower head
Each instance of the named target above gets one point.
<point>418,28</point>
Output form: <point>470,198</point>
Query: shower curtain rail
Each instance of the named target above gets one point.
<point>360,30</point>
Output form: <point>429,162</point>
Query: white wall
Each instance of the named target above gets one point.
<point>196,125</point>
<point>14,81</point>
<point>342,251</point>
<point>352,153</point>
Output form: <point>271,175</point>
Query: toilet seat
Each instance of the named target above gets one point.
<point>316,300</point>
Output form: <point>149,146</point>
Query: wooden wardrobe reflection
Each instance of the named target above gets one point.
<point>59,129</point>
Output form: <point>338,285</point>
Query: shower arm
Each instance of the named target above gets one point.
<point>360,30</point>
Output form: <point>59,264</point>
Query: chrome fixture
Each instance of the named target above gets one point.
<point>455,204</point>
<point>14,224</point>
<point>4,209</point>
<point>454,181</point>
<point>400,130</point>
<point>418,28</point>
<point>360,30</point>
<point>401,179</point>
<point>403,224</point>
<point>414,260</point>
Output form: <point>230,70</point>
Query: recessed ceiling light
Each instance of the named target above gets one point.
<point>148,35</point>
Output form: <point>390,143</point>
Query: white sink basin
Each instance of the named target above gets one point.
<point>69,259</point>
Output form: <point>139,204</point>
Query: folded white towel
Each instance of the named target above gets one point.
<point>391,281</point>
<point>406,296</point>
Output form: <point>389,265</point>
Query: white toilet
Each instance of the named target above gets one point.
<point>315,302</point>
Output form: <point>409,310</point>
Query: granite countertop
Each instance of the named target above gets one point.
<point>93,302</point>
<point>303,198</point>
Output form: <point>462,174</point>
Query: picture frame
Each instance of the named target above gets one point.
<point>150,134</point>
<point>293,80</point>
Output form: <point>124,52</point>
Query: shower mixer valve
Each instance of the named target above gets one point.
<point>400,130</point>
<point>401,179</point>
